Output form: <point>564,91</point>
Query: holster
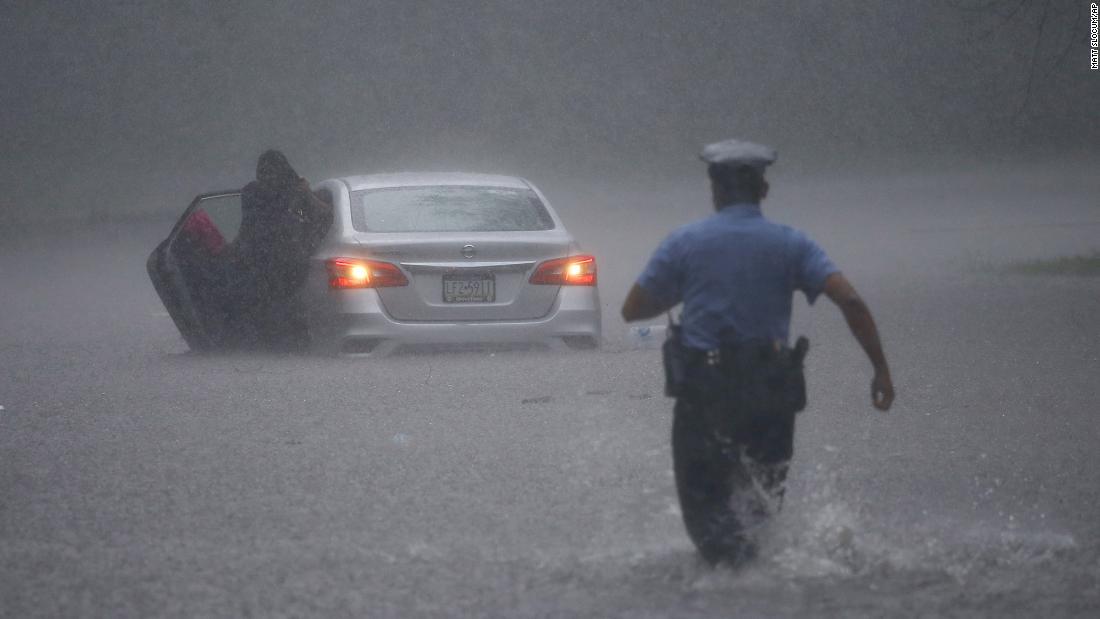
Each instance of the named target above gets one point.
<point>676,358</point>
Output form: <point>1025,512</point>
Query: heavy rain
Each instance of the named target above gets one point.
<point>944,154</point>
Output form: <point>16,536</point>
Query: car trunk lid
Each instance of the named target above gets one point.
<point>467,276</point>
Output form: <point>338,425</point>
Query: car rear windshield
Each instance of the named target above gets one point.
<point>448,208</point>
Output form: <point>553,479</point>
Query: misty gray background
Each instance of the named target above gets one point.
<point>132,107</point>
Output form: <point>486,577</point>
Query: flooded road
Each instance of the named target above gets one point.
<point>137,479</point>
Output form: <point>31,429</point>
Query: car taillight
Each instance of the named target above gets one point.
<point>356,273</point>
<point>571,271</point>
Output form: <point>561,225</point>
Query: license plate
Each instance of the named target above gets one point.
<point>469,288</point>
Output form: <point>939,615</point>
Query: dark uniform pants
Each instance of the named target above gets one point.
<point>730,459</point>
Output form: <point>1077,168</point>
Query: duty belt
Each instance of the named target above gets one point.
<point>766,349</point>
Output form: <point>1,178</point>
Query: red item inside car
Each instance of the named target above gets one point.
<point>201,229</point>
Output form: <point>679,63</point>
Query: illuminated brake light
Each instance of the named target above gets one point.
<point>571,271</point>
<point>346,273</point>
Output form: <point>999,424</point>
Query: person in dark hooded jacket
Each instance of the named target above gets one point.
<point>282,222</point>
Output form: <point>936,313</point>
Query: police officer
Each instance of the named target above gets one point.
<point>735,273</point>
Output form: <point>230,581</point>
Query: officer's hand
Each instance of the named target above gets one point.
<point>882,390</point>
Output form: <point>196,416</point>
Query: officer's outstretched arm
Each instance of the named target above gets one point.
<point>639,305</point>
<point>856,313</point>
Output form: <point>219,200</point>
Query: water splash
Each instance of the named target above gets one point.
<point>831,535</point>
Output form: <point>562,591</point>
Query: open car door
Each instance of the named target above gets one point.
<point>191,269</point>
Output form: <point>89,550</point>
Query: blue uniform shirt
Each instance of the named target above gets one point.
<point>735,271</point>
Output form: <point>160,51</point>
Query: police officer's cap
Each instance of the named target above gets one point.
<point>737,153</point>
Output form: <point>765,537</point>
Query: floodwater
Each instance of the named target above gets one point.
<point>137,479</point>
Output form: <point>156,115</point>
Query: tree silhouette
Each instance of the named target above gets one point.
<point>1051,29</point>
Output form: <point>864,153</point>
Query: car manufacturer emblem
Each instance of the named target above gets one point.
<point>468,251</point>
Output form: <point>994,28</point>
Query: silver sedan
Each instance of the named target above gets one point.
<point>410,260</point>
